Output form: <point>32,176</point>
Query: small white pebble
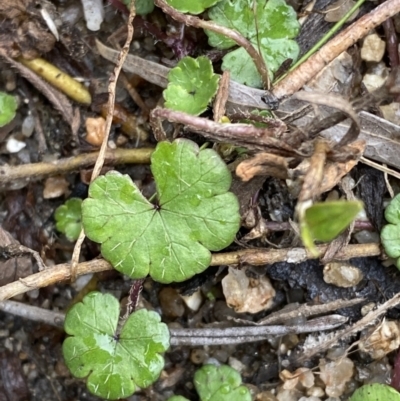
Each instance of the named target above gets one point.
<point>14,146</point>
<point>94,13</point>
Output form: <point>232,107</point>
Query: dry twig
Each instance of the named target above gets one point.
<point>253,257</point>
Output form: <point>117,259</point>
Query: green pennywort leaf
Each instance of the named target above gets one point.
<point>68,218</point>
<point>390,234</point>
<point>114,362</point>
<point>192,85</point>
<point>177,398</point>
<point>8,108</point>
<point>172,238</point>
<point>375,392</point>
<point>220,383</point>
<point>191,6</point>
<point>270,25</point>
<point>326,220</point>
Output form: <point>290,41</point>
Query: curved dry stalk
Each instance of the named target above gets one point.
<point>253,257</point>
<point>348,37</point>
<point>112,85</point>
<point>229,33</point>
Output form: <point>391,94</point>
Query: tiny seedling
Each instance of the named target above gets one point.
<point>269,25</point>
<point>115,360</point>
<point>68,218</point>
<point>192,214</point>
<point>390,234</point>
<point>218,383</point>
<point>8,108</point>
<point>191,6</point>
<point>375,392</point>
<point>326,220</point>
<point>192,85</point>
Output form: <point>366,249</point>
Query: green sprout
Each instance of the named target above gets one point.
<point>326,220</point>
<point>390,234</point>
<point>8,108</point>
<point>192,85</point>
<point>68,218</point>
<point>218,383</point>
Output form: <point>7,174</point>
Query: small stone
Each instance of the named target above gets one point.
<point>375,77</point>
<point>171,303</point>
<point>315,392</point>
<point>198,356</point>
<point>95,130</point>
<point>55,187</point>
<point>367,308</point>
<point>236,364</point>
<point>335,375</point>
<point>391,112</point>
<point>342,274</point>
<point>193,301</point>
<point>373,48</point>
<point>247,295</point>
<point>28,126</point>
<point>14,145</point>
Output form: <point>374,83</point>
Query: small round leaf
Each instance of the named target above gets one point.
<point>220,383</point>
<point>375,392</point>
<point>8,107</point>
<point>172,238</point>
<point>68,218</point>
<point>392,212</point>
<point>114,363</point>
<point>390,236</point>
<point>192,85</point>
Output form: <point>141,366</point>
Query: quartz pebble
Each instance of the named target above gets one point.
<point>335,375</point>
<point>342,274</point>
<point>247,295</point>
<point>55,187</point>
<point>373,48</point>
<point>14,145</point>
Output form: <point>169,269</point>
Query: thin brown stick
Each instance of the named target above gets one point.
<point>103,150</point>
<point>367,320</point>
<point>299,77</point>
<point>254,257</point>
<point>392,43</point>
<point>229,33</point>
<point>19,176</point>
